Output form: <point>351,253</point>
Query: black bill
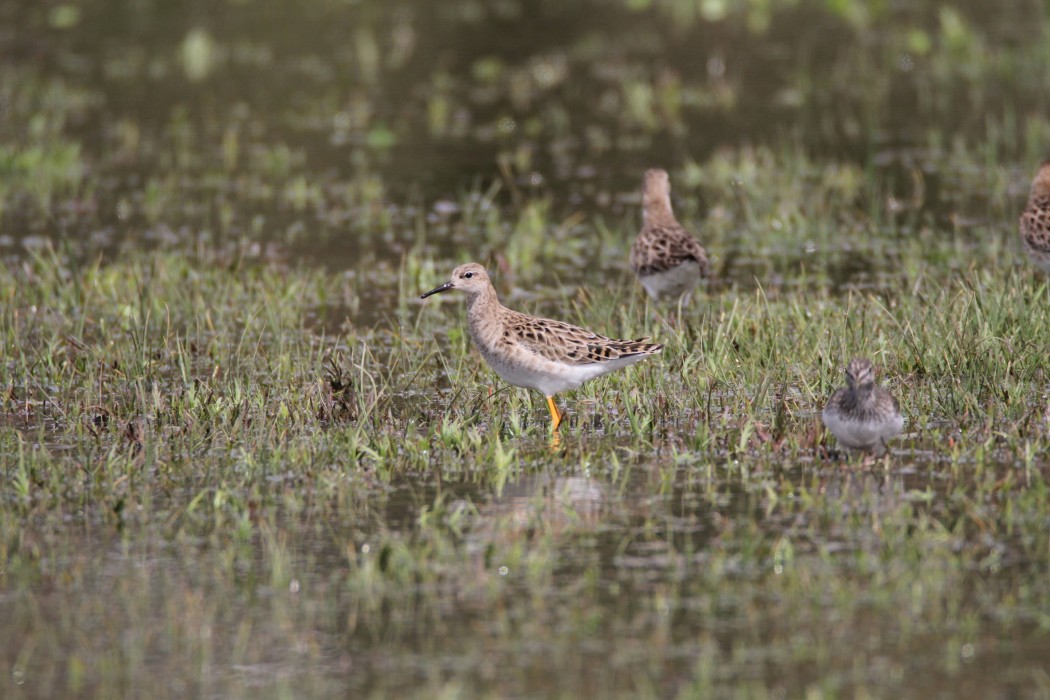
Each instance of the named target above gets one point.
<point>437,290</point>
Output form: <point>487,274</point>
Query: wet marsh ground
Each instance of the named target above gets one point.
<point>240,457</point>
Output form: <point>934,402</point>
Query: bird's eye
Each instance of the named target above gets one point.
<point>468,275</point>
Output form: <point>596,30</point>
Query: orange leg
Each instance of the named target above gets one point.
<point>556,415</point>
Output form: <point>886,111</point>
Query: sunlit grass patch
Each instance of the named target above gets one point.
<point>41,171</point>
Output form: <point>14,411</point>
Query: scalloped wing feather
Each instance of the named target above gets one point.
<point>1035,224</point>
<point>661,248</point>
<point>571,345</point>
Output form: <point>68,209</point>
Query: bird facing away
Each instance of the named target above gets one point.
<point>537,353</point>
<point>667,259</point>
<point>1035,220</point>
<point>863,416</point>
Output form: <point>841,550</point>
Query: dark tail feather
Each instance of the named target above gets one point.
<point>639,346</point>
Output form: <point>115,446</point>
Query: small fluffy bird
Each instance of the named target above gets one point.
<point>667,259</point>
<point>537,353</point>
<point>863,416</point>
<point>1035,221</point>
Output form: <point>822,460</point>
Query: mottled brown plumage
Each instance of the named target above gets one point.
<point>1035,220</point>
<point>537,353</point>
<point>862,416</point>
<point>667,259</point>
<point>561,342</point>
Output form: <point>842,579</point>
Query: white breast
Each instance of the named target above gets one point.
<point>674,282</point>
<point>535,372</point>
<point>862,435</point>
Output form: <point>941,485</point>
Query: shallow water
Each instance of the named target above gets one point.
<point>556,582</point>
<point>334,133</point>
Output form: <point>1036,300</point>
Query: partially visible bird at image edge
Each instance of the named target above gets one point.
<point>1035,220</point>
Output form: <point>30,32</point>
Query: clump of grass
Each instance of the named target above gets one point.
<point>41,171</point>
